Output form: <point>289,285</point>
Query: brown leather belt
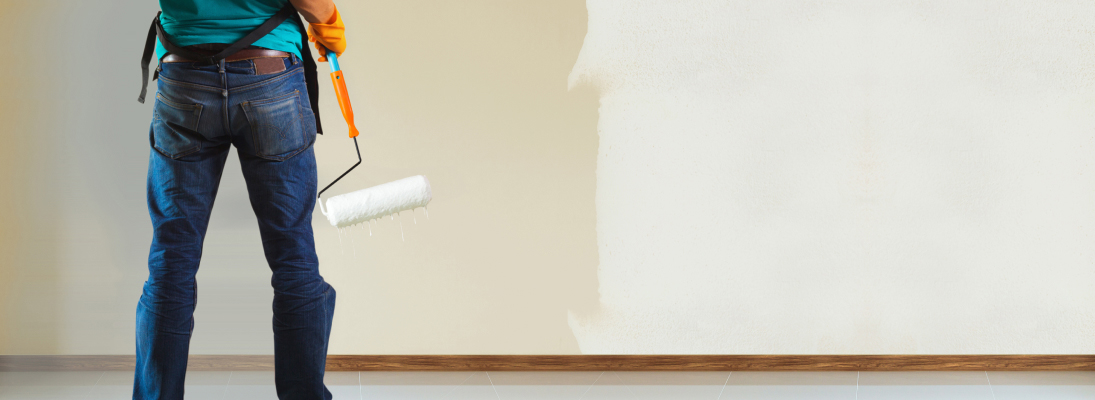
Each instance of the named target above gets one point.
<point>245,54</point>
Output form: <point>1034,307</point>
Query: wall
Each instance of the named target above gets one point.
<point>849,177</point>
<point>29,298</point>
<point>715,177</point>
<point>471,94</point>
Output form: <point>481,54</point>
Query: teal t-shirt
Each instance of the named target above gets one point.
<point>190,22</point>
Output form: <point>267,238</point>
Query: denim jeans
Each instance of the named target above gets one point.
<point>199,112</point>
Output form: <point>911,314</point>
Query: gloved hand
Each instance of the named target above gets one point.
<point>328,36</point>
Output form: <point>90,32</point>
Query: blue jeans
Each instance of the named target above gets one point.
<point>199,112</point>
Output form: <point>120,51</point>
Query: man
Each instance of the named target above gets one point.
<point>257,100</point>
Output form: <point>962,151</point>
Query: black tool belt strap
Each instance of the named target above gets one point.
<point>310,75</point>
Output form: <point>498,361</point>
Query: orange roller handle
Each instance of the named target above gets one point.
<point>344,101</point>
<point>341,92</point>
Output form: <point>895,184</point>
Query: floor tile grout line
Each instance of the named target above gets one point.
<point>857,385</point>
<point>991,391</point>
<point>461,383</point>
<point>724,385</point>
<point>628,387</point>
<point>224,395</point>
<point>492,385</point>
<point>92,389</point>
<point>591,385</point>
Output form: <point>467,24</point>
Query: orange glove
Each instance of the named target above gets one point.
<point>331,35</point>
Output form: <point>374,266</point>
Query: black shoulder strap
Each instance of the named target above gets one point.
<point>310,75</point>
<point>149,50</point>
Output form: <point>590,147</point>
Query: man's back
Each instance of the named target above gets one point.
<point>190,22</point>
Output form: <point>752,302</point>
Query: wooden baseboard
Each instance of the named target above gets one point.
<point>584,363</point>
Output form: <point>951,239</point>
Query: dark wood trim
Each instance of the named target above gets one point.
<point>586,363</point>
<point>712,363</point>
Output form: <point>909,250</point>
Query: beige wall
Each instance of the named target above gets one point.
<point>472,94</point>
<point>29,318</point>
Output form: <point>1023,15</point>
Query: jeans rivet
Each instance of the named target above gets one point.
<point>224,93</point>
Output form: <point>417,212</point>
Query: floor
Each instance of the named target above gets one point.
<point>593,385</point>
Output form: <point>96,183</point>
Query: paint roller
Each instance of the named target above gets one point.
<point>377,201</point>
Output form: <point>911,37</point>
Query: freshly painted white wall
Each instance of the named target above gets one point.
<point>853,176</point>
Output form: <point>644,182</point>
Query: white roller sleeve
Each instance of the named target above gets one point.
<point>378,201</point>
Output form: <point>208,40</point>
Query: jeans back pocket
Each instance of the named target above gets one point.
<point>175,127</point>
<point>277,127</point>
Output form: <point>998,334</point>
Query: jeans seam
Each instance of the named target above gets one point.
<point>169,81</point>
<point>195,306</point>
<point>266,82</point>
<point>224,97</point>
<point>179,155</point>
<point>175,104</point>
<point>323,302</point>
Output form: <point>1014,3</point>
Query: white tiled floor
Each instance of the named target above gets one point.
<point>593,385</point>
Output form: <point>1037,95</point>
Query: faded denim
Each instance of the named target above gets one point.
<point>199,112</point>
